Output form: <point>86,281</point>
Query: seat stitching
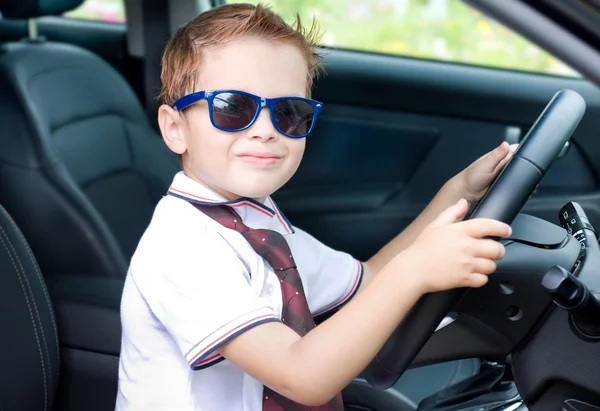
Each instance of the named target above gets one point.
<point>35,308</point>
<point>129,142</point>
<point>37,338</point>
<point>40,277</point>
<point>54,128</point>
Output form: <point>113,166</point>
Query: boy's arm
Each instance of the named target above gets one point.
<point>312,369</point>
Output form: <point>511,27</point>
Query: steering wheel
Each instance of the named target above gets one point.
<point>503,201</point>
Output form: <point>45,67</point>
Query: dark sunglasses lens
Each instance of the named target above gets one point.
<point>233,111</point>
<point>294,117</point>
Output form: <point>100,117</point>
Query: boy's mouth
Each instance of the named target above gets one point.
<point>258,158</point>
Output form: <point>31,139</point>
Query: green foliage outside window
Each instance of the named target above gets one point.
<point>447,30</point>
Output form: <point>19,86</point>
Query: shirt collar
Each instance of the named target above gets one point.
<point>253,213</point>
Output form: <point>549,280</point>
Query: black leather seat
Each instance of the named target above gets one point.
<point>81,168</point>
<point>29,343</point>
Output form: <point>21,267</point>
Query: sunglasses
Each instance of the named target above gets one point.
<point>232,110</point>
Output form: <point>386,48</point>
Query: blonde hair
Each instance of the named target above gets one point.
<point>182,57</point>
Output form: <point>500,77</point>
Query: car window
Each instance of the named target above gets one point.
<point>109,11</point>
<point>446,30</point>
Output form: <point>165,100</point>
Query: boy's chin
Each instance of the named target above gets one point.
<point>258,190</point>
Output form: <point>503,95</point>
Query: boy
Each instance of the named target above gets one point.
<point>216,311</point>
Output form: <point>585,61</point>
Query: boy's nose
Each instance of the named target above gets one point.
<point>263,128</point>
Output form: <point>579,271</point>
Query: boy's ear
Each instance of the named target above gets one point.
<point>171,128</point>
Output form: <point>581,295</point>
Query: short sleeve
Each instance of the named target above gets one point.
<point>202,296</point>
<point>332,277</point>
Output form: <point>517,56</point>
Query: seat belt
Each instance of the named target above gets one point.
<point>155,18</point>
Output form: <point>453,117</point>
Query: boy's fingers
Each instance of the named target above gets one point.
<point>488,249</point>
<point>484,266</point>
<point>477,280</point>
<point>511,150</point>
<point>486,227</point>
<point>496,156</point>
<point>451,214</point>
<point>502,150</point>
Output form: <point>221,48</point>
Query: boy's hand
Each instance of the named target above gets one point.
<point>450,254</point>
<point>474,180</point>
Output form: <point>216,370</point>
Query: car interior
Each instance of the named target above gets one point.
<point>82,165</point>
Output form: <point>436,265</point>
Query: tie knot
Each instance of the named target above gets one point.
<point>226,216</point>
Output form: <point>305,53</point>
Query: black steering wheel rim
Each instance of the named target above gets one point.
<point>503,201</point>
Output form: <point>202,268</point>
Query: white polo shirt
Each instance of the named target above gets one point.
<point>193,285</point>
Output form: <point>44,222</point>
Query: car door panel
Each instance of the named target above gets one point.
<point>393,130</point>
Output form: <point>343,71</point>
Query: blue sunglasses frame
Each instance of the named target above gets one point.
<point>261,103</point>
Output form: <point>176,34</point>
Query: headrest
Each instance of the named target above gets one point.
<point>24,9</point>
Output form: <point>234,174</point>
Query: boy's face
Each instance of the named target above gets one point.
<point>233,163</point>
